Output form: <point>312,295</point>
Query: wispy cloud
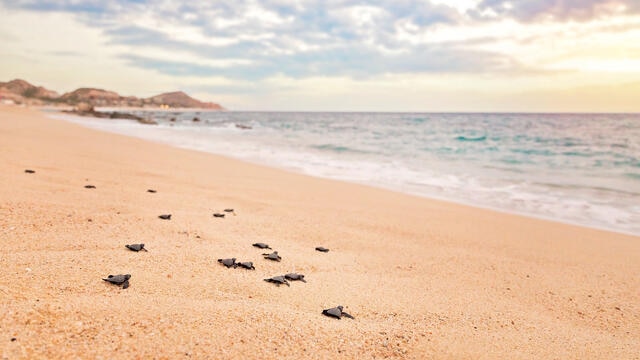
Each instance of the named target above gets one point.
<point>298,39</point>
<point>555,10</point>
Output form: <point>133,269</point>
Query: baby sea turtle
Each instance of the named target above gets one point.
<point>295,276</point>
<point>228,210</point>
<point>119,280</point>
<point>136,247</point>
<point>322,249</point>
<point>89,187</point>
<point>218,215</point>
<point>262,245</point>
<point>336,312</point>
<point>29,171</point>
<point>165,217</point>
<point>278,280</point>
<point>273,256</point>
<point>151,191</point>
<point>228,262</point>
<point>246,265</point>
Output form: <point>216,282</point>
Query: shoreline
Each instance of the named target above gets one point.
<point>423,278</point>
<point>416,193</point>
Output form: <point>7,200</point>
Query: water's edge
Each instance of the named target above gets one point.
<point>91,123</point>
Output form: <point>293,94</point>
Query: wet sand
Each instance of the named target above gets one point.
<point>423,278</point>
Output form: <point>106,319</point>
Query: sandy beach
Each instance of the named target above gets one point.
<point>423,278</point>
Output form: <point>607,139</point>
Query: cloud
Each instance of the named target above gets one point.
<point>356,62</point>
<point>65,53</point>
<point>93,7</point>
<point>556,10</point>
<point>294,38</point>
<point>253,40</point>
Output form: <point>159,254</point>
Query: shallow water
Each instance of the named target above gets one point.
<point>575,168</point>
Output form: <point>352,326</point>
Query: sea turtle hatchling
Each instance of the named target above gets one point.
<point>322,249</point>
<point>165,216</point>
<point>228,262</point>
<point>246,265</point>
<point>218,215</point>
<point>278,280</point>
<point>336,312</point>
<point>261,245</point>
<point>136,247</point>
<point>273,256</point>
<point>295,276</point>
<point>119,279</point>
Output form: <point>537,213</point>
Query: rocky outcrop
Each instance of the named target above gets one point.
<point>85,109</point>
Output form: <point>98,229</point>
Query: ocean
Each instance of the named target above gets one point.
<point>575,168</point>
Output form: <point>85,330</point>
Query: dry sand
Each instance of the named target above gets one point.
<point>423,278</point>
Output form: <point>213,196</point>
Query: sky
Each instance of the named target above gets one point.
<point>336,55</point>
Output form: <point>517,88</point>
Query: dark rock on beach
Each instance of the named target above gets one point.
<point>84,109</point>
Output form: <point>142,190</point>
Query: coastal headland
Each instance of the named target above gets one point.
<point>422,278</point>
<point>22,92</point>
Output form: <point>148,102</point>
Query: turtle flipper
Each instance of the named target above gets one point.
<point>125,284</point>
<point>347,315</point>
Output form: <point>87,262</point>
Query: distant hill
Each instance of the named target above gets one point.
<point>180,99</point>
<point>95,97</point>
<point>22,92</point>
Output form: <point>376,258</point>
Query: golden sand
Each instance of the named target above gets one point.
<point>423,278</point>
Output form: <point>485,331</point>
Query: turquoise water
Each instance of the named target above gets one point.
<point>575,168</point>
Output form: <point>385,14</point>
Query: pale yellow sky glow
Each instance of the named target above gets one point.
<point>443,56</point>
